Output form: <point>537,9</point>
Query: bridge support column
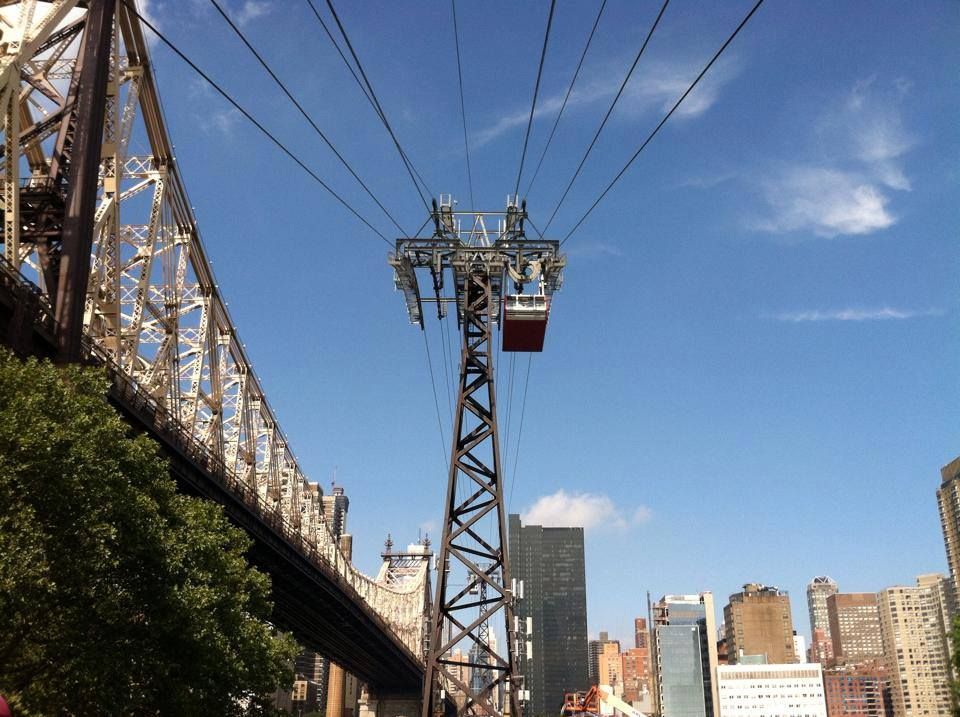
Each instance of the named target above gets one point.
<point>373,704</point>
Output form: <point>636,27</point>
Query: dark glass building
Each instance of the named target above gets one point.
<point>550,563</point>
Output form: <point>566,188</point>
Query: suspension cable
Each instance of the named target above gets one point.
<point>436,402</point>
<point>377,110</point>
<point>303,112</point>
<point>606,117</point>
<point>523,412</point>
<point>463,111</point>
<point>236,105</point>
<point>666,117</point>
<point>383,115</point>
<point>563,106</point>
<point>536,91</point>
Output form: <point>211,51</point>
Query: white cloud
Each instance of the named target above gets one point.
<point>546,107</point>
<point>584,510</point>
<point>826,201</point>
<point>251,10</point>
<point>663,84</point>
<point>595,249</point>
<point>708,181</point>
<point>221,122</point>
<point>853,314</point>
<point>146,10</point>
<point>658,85</point>
<point>864,138</point>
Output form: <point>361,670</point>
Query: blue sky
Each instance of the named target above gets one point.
<point>750,374</point>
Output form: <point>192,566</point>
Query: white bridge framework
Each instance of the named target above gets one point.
<point>153,310</point>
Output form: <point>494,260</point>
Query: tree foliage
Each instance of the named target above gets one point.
<point>117,594</point>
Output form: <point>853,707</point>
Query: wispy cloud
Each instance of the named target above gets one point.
<point>664,82</point>
<point>825,201</point>
<point>584,510</point>
<point>658,87</point>
<point>251,10</point>
<point>222,122</point>
<point>595,249</point>
<point>850,194</point>
<point>708,181</point>
<point>147,10</point>
<point>546,107</point>
<point>885,313</point>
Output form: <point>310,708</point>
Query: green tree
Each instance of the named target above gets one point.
<point>117,594</point>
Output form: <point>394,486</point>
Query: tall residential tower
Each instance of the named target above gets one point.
<point>948,499</point>
<point>913,624</point>
<point>758,622</point>
<point>818,590</point>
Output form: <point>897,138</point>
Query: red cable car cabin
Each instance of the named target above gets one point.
<point>525,321</point>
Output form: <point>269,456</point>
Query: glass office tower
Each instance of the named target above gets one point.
<point>683,634</point>
<point>550,563</point>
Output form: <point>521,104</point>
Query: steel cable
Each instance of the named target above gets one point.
<point>606,117</point>
<point>664,120</point>
<point>536,91</point>
<point>237,106</point>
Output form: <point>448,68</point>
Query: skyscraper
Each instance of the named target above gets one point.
<point>550,563</point>
<point>636,674</point>
<point>854,627</point>
<point>818,590</point>
<point>594,650</point>
<point>641,633</point>
<point>636,662</point>
<point>335,508</point>
<point>758,622</point>
<point>685,655</point>
<point>948,500</point>
<point>610,670</point>
<point>913,625</point>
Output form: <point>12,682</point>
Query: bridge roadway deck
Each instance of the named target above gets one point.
<point>310,598</point>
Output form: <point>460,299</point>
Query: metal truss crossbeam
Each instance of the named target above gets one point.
<point>474,492</point>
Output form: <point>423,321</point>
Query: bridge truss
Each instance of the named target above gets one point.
<point>107,236</point>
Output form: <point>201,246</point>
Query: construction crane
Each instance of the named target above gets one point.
<point>598,701</point>
<point>483,265</point>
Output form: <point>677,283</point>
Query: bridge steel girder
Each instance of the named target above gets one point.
<point>152,313</point>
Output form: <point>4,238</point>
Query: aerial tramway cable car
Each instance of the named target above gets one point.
<point>525,321</point>
<point>525,316</point>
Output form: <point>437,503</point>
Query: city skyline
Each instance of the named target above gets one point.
<point>621,627</point>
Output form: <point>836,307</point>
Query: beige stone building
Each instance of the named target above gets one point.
<point>610,667</point>
<point>913,627</point>
<point>948,499</point>
<point>758,622</point>
<point>854,627</point>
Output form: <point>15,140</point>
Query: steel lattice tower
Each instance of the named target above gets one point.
<point>474,539</point>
